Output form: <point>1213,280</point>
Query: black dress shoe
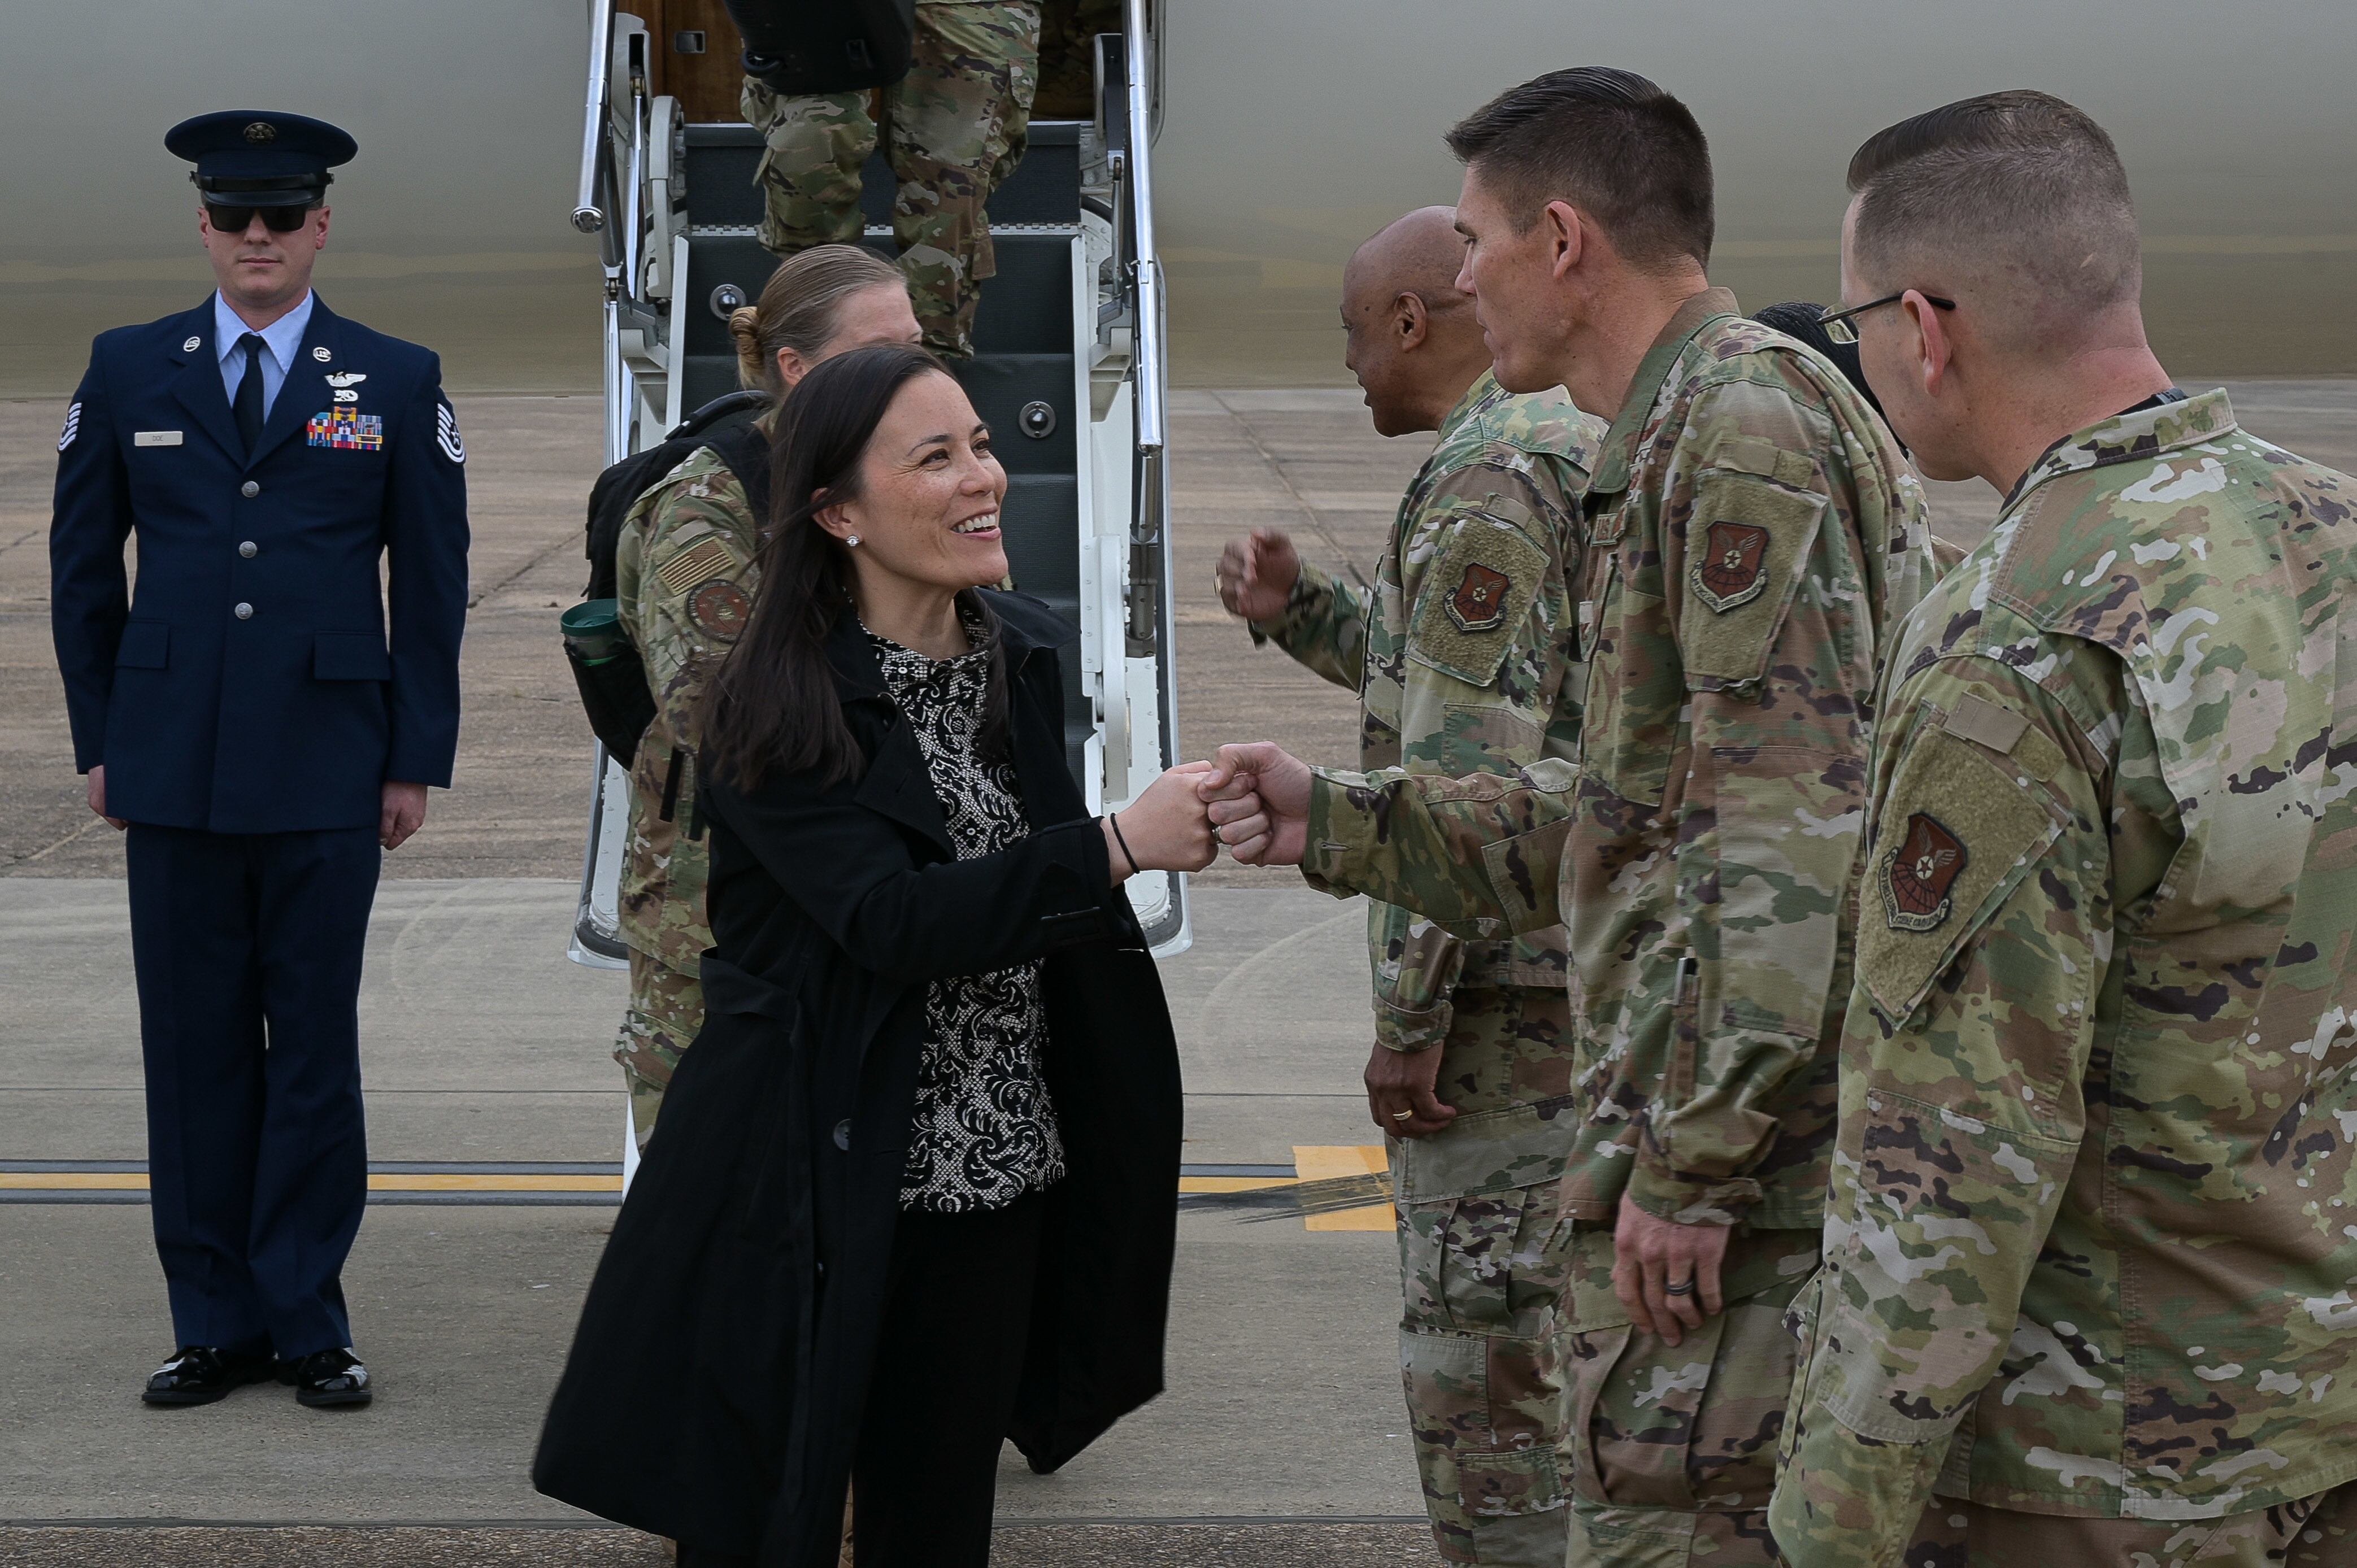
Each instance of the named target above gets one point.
<point>199,1374</point>
<point>328,1378</point>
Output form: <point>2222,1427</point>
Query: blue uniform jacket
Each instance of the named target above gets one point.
<point>250,686</point>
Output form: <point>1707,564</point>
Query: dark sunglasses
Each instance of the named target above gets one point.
<point>238,219</point>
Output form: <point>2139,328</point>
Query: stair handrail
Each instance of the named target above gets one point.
<point>588,216</point>
<point>1149,591</point>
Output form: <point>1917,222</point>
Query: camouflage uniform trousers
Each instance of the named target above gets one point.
<point>1670,1452</point>
<point>954,127</point>
<point>1482,1256</point>
<point>2318,1531</point>
<point>665,1013</point>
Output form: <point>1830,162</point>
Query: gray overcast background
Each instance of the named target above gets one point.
<point>1295,127</point>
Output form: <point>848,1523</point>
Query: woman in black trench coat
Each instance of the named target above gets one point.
<point>913,1188</point>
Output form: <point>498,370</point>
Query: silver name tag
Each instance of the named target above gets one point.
<point>156,438</point>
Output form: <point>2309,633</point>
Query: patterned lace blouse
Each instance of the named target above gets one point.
<point>985,1134</point>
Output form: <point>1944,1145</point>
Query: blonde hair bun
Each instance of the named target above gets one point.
<point>798,308</point>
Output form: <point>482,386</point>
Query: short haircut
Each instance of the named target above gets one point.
<point>1609,142</point>
<point>2020,179</point>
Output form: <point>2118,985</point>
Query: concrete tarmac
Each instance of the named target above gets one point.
<point>1281,1440</point>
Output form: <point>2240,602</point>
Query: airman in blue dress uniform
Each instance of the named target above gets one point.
<point>265,721</point>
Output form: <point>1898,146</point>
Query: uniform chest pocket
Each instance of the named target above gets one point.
<point>1630,727</point>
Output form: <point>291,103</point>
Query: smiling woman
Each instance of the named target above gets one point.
<point>936,1072</point>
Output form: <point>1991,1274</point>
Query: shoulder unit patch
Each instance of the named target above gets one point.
<point>1918,873</point>
<point>1733,566</point>
<point>1479,600</point>
<point>720,609</point>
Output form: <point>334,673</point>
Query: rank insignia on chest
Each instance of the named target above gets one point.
<point>346,429</point>
<point>1918,874</point>
<point>1480,602</point>
<point>1733,566</point>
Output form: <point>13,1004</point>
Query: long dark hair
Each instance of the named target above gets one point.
<point>773,705</point>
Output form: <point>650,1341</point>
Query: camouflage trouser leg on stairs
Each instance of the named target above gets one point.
<point>954,128</point>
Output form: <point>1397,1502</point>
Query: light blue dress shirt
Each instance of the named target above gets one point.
<point>280,339</point>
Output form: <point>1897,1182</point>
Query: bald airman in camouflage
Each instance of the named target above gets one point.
<point>1464,655</point>
<point>1752,538</point>
<point>684,579</point>
<point>952,129</point>
<point>2087,1294</point>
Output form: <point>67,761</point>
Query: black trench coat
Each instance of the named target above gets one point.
<point>716,1381</point>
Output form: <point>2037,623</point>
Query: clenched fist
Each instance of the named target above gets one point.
<point>1257,573</point>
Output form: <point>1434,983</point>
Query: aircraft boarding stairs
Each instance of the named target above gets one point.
<point>1069,371</point>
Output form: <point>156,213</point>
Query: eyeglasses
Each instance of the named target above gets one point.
<point>1841,326</point>
<point>238,219</point>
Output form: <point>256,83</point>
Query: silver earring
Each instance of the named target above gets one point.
<point>851,539</point>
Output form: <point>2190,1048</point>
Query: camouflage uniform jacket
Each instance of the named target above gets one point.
<point>684,574</point>
<point>2094,1192</point>
<point>1752,536</point>
<point>1465,655</point>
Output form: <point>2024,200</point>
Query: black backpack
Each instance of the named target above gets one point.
<point>614,689</point>
<point>802,47</point>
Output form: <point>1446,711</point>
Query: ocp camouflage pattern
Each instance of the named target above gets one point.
<point>664,1015</point>
<point>2093,1240</point>
<point>1700,851</point>
<point>953,129</point>
<point>1499,491</point>
<point>1482,1239</point>
<point>683,622</point>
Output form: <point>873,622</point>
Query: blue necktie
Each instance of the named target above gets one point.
<point>249,392</point>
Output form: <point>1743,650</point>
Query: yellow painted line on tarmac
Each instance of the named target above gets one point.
<point>1235,1183</point>
<point>1320,1164</point>
<point>133,1181</point>
<point>73,1181</point>
<point>479,1182</point>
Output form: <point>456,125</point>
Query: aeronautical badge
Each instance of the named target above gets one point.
<point>719,609</point>
<point>446,434</point>
<point>1733,566</point>
<point>343,382</point>
<point>1480,602</point>
<point>72,429</point>
<point>1917,876</point>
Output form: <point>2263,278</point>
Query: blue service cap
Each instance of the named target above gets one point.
<point>258,157</point>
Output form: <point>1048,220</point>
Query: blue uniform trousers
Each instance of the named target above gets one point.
<point>248,952</point>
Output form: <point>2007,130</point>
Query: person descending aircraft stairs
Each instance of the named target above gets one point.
<point>1069,370</point>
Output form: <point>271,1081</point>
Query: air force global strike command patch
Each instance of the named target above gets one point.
<point>1733,566</point>
<point>1918,874</point>
<point>720,609</point>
